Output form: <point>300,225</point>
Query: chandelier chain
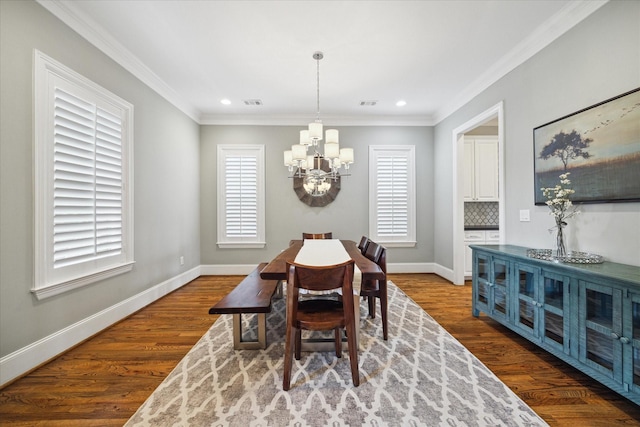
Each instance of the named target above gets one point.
<point>318,87</point>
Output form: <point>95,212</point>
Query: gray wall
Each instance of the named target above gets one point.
<point>166,180</point>
<point>287,217</point>
<point>596,60</point>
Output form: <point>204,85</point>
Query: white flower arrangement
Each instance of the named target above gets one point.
<point>558,200</point>
<point>561,208</point>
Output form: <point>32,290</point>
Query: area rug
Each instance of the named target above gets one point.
<point>421,376</point>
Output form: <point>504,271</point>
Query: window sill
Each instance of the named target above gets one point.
<point>59,288</point>
<point>241,245</point>
<point>393,244</point>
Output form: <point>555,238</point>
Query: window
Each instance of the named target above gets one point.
<point>392,195</point>
<point>83,141</point>
<point>241,215</point>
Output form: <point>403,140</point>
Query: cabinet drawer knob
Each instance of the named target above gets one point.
<point>625,340</point>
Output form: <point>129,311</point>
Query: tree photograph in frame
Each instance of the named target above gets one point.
<point>598,146</point>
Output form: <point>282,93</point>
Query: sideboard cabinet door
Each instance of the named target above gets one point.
<point>601,329</point>
<point>555,310</point>
<point>490,286</point>
<point>542,305</point>
<point>631,346</point>
<point>527,311</point>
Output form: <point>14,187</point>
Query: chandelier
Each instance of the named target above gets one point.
<point>305,161</point>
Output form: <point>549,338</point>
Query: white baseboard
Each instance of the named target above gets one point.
<point>227,269</point>
<point>410,267</point>
<point>445,273</point>
<point>27,358</point>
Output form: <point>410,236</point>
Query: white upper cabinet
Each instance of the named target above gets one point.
<point>481,169</point>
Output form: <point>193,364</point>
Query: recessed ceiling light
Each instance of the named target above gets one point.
<point>401,103</point>
<point>225,101</point>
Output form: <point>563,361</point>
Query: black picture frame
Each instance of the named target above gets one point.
<point>599,146</point>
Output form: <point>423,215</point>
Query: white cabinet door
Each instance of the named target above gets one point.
<point>486,170</point>
<point>480,169</point>
<point>471,237</point>
<point>492,237</point>
<point>468,171</point>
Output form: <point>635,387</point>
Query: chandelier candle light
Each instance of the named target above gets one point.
<point>317,169</point>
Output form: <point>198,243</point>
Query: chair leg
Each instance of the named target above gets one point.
<point>353,353</point>
<point>338,342</point>
<point>298,343</point>
<point>383,309</point>
<point>288,357</point>
<point>372,306</point>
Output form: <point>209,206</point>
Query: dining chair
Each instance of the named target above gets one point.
<point>364,242</point>
<point>372,289</point>
<point>306,236</point>
<point>320,314</point>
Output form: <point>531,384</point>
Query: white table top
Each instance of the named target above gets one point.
<point>318,252</point>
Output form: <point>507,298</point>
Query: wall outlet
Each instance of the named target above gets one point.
<point>181,260</point>
<point>524,215</point>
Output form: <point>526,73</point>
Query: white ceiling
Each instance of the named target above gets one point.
<point>435,55</point>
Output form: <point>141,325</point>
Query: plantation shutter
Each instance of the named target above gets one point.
<point>392,196</point>
<point>87,180</point>
<point>83,136</point>
<point>241,200</point>
<point>241,191</point>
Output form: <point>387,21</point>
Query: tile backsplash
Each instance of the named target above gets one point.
<point>481,213</point>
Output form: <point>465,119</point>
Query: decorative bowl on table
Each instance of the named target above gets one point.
<point>572,257</point>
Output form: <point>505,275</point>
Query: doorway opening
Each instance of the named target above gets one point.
<point>493,117</point>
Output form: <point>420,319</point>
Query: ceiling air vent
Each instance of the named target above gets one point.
<point>257,102</point>
<point>368,103</point>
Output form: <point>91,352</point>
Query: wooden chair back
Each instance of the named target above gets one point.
<point>374,251</point>
<point>372,289</point>
<point>321,278</point>
<point>309,236</point>
<point>364,242</point>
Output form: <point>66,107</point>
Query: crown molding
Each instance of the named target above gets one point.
<point>67,12</point>
<point>293,120</point>
<point>568,17</point>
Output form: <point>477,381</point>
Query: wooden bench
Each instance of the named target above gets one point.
<point>252,295</point>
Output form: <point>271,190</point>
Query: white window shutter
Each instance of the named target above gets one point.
<point>87,207</point>
<point>84,219</point>
<point>109,185</point>
<point>241,215</point>
<point>241,206</point>
<point>392,195</point>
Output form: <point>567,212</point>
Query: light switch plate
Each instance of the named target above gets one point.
<point>524,215</point>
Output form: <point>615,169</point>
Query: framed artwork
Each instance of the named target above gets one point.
<point>599,147</point>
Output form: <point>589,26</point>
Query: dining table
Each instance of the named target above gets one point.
<point>277,268</point>
<point>325,252</point>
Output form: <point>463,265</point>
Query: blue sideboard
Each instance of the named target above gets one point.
<point>586,314</point>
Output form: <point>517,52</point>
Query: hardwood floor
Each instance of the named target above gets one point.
<point>104,380</point>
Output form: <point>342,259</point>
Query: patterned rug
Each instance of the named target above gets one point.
<point>421,376</point>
